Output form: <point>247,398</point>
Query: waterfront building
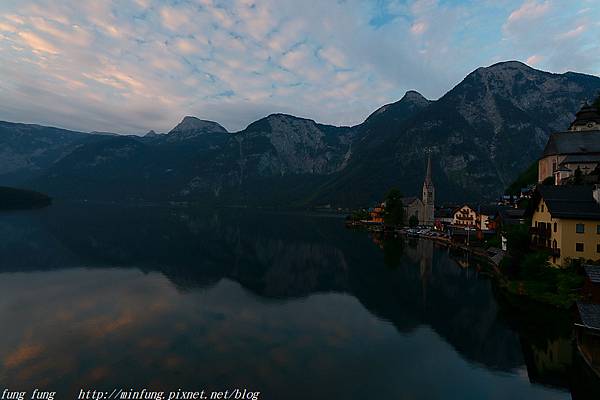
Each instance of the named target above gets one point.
<point>565,220</point>
<point>412,206</point>
<point>465,216</point>
<point>376,214</point>
<point>422,208</point>
<point>578,148</point>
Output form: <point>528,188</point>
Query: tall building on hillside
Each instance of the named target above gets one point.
<point>428,196</point>
<point>572,150</point>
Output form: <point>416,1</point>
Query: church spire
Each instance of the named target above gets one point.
<point>428,198</point>
<point>428,175</point>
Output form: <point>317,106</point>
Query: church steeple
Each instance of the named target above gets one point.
<point>428,195</point>
<point>428,175</point>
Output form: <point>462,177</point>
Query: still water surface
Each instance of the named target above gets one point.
<point>293,306</point>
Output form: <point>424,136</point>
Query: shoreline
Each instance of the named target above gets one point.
<point>492,257</point>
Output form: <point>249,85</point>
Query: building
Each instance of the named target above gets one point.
<point>413,206</point>
<point>444,217</point>
<point>422,208</point>
<point>376,214</point>
<point>565,220</point>
<point>428,197</point>
<point>465,216</point>
<point>577,148</point>
<point>480,217</point>
<point>507,216</point>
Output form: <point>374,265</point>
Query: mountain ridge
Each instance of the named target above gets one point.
<point>482,133</point>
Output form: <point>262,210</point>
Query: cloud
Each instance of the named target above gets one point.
<point>529,10</point>
<point>573,33</point>
<point>7,27</point>
<point>334,57</point>
<point>418,28</point>
<point>135,66</point>
<point>174,18</point>
<point>534,59</point>
<point>37,43</point>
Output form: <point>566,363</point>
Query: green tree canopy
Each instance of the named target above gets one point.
<point>394,212</point>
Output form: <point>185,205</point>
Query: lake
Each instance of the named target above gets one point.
<point>293,306</point>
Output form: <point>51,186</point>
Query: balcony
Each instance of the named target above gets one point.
<point>542,247</point>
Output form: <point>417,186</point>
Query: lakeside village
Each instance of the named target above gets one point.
<point>541,240</point>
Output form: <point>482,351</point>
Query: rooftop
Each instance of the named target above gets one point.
<point>579,142</point>
<point>581,158</point>
<point>406,201</point>
<point>587,114</point>
<point>570,201</point>
<point>590,315</point>
<point>593,272</point>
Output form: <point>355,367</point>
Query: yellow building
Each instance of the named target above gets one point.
<point>566,221</point>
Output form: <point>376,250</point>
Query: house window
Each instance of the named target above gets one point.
<point>579,247</point>
<point>598,248</point>
<point>579,228</point>
<point>598,229</point>
<point>542,206</point>
<point>555,227</point>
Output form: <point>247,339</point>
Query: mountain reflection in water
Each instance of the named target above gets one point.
<point>294,306</point>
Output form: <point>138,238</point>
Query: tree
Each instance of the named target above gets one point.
<point>394,212</point>
<point>413,221</point>
<point>358,215</point>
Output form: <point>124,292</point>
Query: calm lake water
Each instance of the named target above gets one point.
<point>293,306</point>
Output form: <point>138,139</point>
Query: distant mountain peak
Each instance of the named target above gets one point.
<point>510,64</point>
<point>409,103</point>
<point>414,97</point>
<point>282,116</point>
<point>191,127</point>
<point>506,68</point>
<point>151,133</point>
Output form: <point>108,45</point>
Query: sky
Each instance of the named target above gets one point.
<point>131,66</point>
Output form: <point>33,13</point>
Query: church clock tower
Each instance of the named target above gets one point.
<point>428,195</point>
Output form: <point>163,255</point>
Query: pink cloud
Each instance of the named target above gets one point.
<point>37,43</point>
<point>530,9</point>
<point>534,59</point>
<point>573,33</point>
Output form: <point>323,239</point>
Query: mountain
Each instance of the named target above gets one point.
<point>27,150</point>
<point>482,134</point>
<point>191,127</point>
<point>151,134</point>
<point>276,159</point>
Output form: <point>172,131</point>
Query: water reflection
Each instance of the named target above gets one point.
<point>292,305</point>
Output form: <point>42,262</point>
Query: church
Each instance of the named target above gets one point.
<point>422,208</point>
<point>576,150</point>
